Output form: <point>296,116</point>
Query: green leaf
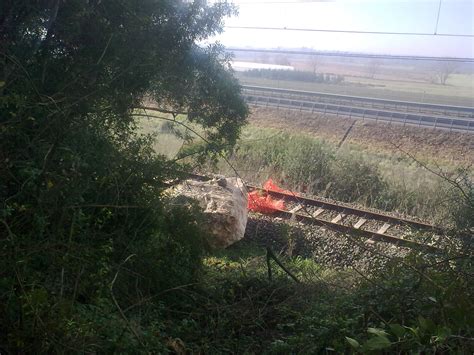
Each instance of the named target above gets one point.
<point>414,330</point>
<point>377,343</point>
<point>442,333</point>
<point>397,330</point>
<point>352,342</point>
<point>2,83</point>
<point>426,324</point>
<point>376,331</point>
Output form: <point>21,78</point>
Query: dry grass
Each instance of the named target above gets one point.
<point>446,148</point>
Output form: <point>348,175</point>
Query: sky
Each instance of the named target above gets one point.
<point>419,16</point>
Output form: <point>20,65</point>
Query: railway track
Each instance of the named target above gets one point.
<point>411,113</point>
<point>374,226</point>
<point>339,217</point>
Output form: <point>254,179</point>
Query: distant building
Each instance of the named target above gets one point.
<point>244,66</point>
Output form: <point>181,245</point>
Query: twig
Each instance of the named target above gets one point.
<point>111,287</point>
<point>271,254</point>
<point>161,110</point>
<point>269,266</point>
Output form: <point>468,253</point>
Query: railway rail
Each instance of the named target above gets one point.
<point>337,216</point>
<point>411,113</point>
<point>375,226</point>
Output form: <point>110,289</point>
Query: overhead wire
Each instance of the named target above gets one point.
<point>350,31</point>
<point>352,55</point>
<point>279,2</point>
<point>437,17</point>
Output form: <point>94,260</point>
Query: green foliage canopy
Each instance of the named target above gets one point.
<point>84,227</point>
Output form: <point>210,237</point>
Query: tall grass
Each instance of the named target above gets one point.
<point>307,164</point>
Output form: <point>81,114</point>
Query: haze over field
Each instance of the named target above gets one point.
<point>426,17</point>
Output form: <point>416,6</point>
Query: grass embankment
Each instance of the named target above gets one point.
<point>434,146</point>
<point>392,182</point>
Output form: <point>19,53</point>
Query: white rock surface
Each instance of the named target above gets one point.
<point>224,201</point>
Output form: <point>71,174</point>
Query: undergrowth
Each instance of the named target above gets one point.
<point>307,164</point>
<point>236,309</point>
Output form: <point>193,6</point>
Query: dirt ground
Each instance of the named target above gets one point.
<point>426,144</point>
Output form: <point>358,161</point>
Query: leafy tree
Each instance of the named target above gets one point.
<point>82,213</point>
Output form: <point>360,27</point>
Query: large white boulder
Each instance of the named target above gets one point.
<point>224,201</point>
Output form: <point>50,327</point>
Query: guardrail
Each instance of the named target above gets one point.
<point>400,106</point>
<point>432,121</point>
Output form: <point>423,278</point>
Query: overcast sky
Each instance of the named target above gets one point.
<point>420,16</point>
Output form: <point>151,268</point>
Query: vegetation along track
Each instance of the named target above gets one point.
<point>403,112</point>
<point>337,216</point>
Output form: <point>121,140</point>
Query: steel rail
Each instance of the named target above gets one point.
<point>338,207</point>
<point>443,108</point>
<point>351,230</point>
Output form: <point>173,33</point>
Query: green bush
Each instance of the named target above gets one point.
<point>414,304</point>
<point>92,212</point>
<point>88,242</point>
<point>353,179</point>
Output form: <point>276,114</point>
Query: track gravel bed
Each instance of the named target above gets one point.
<point>324,246</point>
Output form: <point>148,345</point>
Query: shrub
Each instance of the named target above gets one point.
<point>353,179</point>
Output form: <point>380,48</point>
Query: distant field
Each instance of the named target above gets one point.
<point>462,95</point>
<point>164,142</point>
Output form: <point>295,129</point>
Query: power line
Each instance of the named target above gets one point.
<point>352,55</point>
<point>279,2</point>
<point>350,31</point>
<point>437,17</point>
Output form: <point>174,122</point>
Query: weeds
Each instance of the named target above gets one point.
<point>236,309</point>
<point>307,164</point>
